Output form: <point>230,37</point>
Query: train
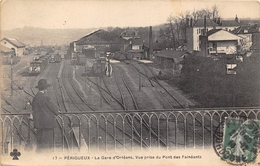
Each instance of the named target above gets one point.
<point>39,64</point>
<point>55,58</point>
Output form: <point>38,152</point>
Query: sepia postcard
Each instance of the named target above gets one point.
<point>130,82</point>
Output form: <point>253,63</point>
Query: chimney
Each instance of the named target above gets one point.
<point>204,40</point>
<point>150,43</point>
<point>215,19</point>
<point>191,22</point>
<point>187,22</point>
<point>236,18</point>
<point>205,24</point>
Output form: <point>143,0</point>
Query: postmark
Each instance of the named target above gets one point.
<point>236,140</point>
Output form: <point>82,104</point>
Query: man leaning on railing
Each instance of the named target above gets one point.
<point>44,112</point>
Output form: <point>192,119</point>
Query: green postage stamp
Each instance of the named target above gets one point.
<point>240,141</point>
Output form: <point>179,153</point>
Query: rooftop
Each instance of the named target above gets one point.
<point>246,29</point>
<point>5,49</point>
<point>171,54</point>
<point>230,23</point>
<point>15,42</point>
<point>100,37</point>
<point>209,23</point>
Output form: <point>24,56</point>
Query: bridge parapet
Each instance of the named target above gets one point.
<point>123,130</point>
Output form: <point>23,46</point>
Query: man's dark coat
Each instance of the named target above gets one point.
<point>43,111</point>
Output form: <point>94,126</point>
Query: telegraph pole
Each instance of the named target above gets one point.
<point>11,75</point>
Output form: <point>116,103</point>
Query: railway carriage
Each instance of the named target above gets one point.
<point>38,66</point>
<point>52,59</point>
<point>57,58</point>
<point>35,67</point>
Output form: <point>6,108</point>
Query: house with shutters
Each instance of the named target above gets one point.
<point>222,42</point>
<point>246,32</point>
<point>194,29</point>
<point>137,49</point>
<point>15,45</point>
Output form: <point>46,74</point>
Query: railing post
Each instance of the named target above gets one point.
<point>150,134</point>
<point>11,135</point>
<point>194,131</point>
<point>28,146</point>
<point>167,133</point>
<point>124,134</point>
<point>80,135</point>
<point>2,140</point>
<point>106,135</point>
<point>185,134</point>
<point>203,132</point>
<point>114,128</point>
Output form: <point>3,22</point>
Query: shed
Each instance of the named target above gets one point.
<point>170,59</point>
<point>14,44</point>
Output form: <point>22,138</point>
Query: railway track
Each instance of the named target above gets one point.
<point>104,129</point>
<point>188,126</point>
<point>155,80</point>
<point>123,105</point>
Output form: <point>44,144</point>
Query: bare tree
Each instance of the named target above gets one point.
<point>175,29</point>
<point>170,24</point>
<point>215,11</point>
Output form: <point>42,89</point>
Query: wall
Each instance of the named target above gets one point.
<point>197,31</point>
<point>246,41</point>
<point>189,38</point>
<point>231,28</point>
<point>226,47</point>
<point>18,51</point>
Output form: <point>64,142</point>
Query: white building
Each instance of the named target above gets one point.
<point>14,44</point>
<point>194,30</point>
<point>222,42</point>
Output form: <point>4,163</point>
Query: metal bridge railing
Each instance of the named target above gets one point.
<point>123,130</point>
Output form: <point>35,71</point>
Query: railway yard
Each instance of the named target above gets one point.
<point>76,89</point>
<point>128,109</point>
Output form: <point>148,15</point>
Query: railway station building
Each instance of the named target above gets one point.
<point>96,44</point>
<point>15,45</point>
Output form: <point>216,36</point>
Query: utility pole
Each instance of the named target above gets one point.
<point>139,81</point>
<point>11,75</point>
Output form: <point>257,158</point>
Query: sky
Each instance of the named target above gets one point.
<point>62,14</point>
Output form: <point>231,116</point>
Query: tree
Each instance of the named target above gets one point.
<point>175,28</point>
<point>215,11</point>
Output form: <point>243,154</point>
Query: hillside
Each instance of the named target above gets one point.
<point>35,36</point>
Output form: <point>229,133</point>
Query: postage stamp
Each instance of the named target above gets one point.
<point>237,142</point>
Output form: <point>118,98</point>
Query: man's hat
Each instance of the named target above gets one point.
<point>42,84</point>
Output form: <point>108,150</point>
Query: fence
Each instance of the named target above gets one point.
<point>123,130</point>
